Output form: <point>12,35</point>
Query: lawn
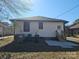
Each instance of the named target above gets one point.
<point>44,51</point>
<point>39,55</point>
<point>6,40</point>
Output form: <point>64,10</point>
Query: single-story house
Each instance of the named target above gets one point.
<point>8,30</point>
<point>5,29</point>
<point>1,29</point>
<point>44,26</point>
<point>74,28</point>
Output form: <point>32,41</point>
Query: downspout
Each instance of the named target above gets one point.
<point>64,31</point>
<point>14,29</point>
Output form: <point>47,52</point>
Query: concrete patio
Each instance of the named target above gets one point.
<point>62,44</point>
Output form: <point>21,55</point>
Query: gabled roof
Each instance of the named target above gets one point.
<point>74,26</point>
<point>40,18</point>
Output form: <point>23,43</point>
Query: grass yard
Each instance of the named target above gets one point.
<point>6,40</point>
<point>39,55</point>
<point>44,51</point>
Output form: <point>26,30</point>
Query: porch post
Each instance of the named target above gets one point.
<point>14,28</point>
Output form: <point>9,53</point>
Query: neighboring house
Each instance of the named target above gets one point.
<point>1,29</point>
<point>8,30</point>
<point>5,29</point>
<point>74,28</point>
<point>44,26</point>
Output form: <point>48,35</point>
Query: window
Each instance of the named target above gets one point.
<point>58,27</point>
<point>26,26</point>
<point>40,25</point>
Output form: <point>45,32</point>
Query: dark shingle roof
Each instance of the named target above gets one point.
<point>39,18</point>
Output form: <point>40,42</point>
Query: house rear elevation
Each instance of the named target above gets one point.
<point>44,26</point>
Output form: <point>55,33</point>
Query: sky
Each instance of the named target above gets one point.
<point>53,8</point>
<point>50,8</point>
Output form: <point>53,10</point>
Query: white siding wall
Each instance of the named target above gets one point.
<point>18,27</point>
<point>49,28</point>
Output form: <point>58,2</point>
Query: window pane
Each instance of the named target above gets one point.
<point>40,25</point>
<point>26,26</point>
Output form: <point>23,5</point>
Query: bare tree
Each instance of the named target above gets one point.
<point>12,8</point>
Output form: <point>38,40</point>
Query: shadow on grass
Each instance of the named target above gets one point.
<point>32,46</point>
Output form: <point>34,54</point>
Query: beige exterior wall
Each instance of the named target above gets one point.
<point>49,28</point>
